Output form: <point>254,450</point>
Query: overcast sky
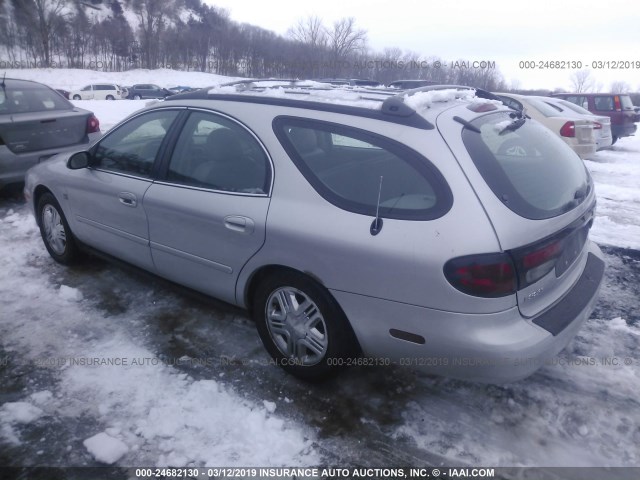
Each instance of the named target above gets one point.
<point>504,31</point>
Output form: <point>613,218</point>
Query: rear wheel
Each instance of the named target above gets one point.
<point>614,139</point>
<point>55,230</point>
<point>137,97</point>
<point>302,327</point>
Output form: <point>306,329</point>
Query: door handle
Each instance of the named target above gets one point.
<point>238,223</point>
<point>128,199</point>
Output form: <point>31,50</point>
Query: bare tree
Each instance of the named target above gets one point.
<point>152,15</point>
<point>49,13</point>
<point>345,39</point>
<point>310,31</point>
<point>620,87</point>
<point>582,81</point>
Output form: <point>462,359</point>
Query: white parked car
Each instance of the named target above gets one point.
<point>576,131</point>
<point>602,124</point>
<point>99,91</point>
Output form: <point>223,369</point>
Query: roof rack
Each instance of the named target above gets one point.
<point>393,107</point>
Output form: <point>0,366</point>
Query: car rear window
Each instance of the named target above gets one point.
<point>31,98</point>
<point>362,172</point>
<point>532,171</point>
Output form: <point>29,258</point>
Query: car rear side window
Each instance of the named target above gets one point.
<point>133,147</point>
<point>352,168</point>
<point>604,104</point>
<point>217,153</point>
<point>532,171</point>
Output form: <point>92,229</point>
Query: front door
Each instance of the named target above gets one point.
<point>207,217</point>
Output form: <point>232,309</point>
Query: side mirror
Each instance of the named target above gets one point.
<point>78,160</point>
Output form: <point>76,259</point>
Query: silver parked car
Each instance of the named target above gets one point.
<point>353,224</point>
<point>37,122</point>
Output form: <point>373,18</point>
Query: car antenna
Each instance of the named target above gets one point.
<point>376,225</point>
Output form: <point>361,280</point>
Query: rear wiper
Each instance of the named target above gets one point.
<point>513,126</point>
<point>578,195</point>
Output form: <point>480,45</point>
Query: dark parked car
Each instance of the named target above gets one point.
<point>62,92</point>
<point>36,122</point>
<point>354,82</point>
<point>408,84</point>
<point>147,90</point>
<point>616,106</point>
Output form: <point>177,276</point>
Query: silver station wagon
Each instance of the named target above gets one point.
<point>431,227</point>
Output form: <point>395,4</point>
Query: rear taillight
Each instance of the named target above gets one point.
<point>597,126</point>
<point>535,264</point>
<point>568,130</point>
<point>617,104</point>
<point>488,275</point>
<point>93,125</point>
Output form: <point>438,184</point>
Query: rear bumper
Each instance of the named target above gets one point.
<point>584,150</point>
<point>493,348</point>
<point>14,166</point>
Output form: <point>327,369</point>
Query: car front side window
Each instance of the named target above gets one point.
<point>133,147</point>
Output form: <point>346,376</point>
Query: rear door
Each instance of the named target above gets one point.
<point>106,199</point>
<point>207,216</point>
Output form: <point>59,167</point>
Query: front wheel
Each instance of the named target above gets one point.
<point>55,230</point>
<point>110,97</point>
<point>137,97</point>
<point>76,97</point>
<point>302,327</point>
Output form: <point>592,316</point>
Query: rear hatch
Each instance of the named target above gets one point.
<point>539,197</point>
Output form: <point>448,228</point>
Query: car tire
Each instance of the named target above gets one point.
<point>77,97</point>
<point>55,231</point>
<point>614,139</point>
<point>137,97</point>
<point>289,305</point>
<point>110,97</point>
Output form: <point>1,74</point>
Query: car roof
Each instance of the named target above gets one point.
<point>20,82</point>
<point>409,107</point>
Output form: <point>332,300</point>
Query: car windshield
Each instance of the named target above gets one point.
<point>532,171</point>
<point>31,98</point>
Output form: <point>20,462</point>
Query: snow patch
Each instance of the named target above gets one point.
<point>70,294</point>
<point>20,412</point>
<point>105,448</point>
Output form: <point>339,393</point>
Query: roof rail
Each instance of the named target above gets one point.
<point>393,107</point>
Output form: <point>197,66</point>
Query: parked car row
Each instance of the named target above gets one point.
<point>618,107</point>
<point>112,91</point>
<point>346,227</point>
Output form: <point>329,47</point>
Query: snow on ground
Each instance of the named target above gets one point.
<point>616,173</point>
<point>143,411</point>
<point>75,79</point>
<point>151,413</point>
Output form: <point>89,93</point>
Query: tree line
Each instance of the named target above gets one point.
<point>118,35</point>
